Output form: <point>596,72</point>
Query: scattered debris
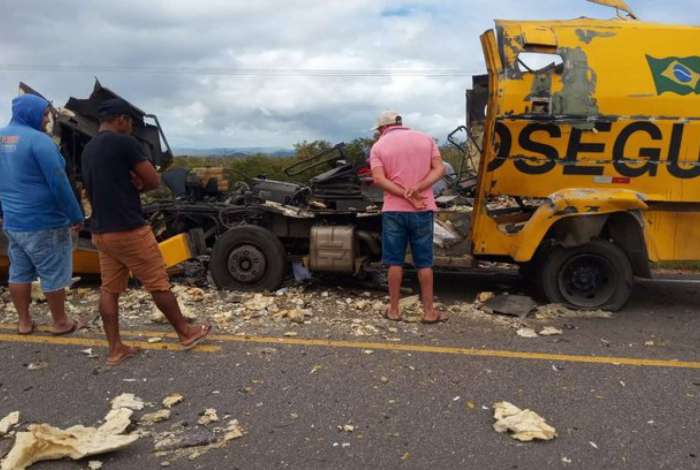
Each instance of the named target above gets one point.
<point>233,431</point>
<point>94,465</point>
<point>117,421</point>
<point>513,305</point>
<point>593,444</point>
<point>183,439</point>
<point>37,365</point>
<point>89,353</point>
<point>127,400</point>
<point>484,297</point>
<point>155,339</point>
<point>208,416</point>
<point>525,425</point>
<point>553,311</point>
<point>172,400</point>
<point>149,419</point>
<point>550,331</point>
<point>37,294</point>
<point>346,428</point>
<point>527,333</point>
<point>8,422</point>
<point>44,442</point>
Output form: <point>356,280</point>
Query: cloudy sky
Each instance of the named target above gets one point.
<point>264,73</point>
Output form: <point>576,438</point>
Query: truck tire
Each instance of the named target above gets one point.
<point>597,275</point>
<point>248,258</point>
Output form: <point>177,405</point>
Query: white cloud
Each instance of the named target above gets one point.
<point>198,47</point>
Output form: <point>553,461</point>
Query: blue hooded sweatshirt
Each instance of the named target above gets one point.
<point>34,189</point>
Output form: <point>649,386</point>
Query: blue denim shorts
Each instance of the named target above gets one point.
<point>46,254</point>
<point>399,229</point>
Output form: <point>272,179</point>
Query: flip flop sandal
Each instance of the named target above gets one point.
<point>78,324</point>
<point>439,319</point>
<point>205,329</point>
<point>31,330</point>
<point>131,354</point>
<point>386,315</point>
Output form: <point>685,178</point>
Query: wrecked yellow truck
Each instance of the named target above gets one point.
<point>593,127</point>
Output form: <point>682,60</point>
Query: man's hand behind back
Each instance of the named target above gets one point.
<point>417,201</point>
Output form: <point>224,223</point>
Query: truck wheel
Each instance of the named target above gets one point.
<point>248,258</point>
<point>597,275</point>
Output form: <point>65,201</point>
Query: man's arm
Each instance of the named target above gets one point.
<point>385,183</point>
<point>389,186</point>
<point>437,171</point>
<point>52,166</point>
<point>145,177</point>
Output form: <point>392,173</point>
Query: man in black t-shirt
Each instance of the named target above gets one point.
<point>115,171</point>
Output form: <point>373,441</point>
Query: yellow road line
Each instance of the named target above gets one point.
<point>418,348</point>
<point>100,343</point>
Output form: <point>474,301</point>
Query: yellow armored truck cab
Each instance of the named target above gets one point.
<point>593,127</point>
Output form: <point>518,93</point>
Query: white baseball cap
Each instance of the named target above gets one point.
<point>388,118</point>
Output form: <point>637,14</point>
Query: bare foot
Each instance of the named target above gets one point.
<point>121,355</point>
<point>196,335</point>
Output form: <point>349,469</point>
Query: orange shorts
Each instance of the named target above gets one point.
<point>134,251</point>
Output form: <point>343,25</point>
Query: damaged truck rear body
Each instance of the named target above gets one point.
<point>593,126</point>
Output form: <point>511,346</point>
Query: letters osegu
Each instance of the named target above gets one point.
<point>611,107</point>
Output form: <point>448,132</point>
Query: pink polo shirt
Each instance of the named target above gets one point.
<point>406,156</point>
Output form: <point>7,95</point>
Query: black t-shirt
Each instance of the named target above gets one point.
<point>107,160</point>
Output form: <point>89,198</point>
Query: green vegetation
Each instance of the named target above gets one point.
<point>242,168</point>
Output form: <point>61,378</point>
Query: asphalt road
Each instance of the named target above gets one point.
<point>413,408</point>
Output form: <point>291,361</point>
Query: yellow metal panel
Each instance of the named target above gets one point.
<point>176,250</point>
<point>538,36</point>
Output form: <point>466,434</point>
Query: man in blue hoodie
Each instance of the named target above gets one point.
<point>39,208</point>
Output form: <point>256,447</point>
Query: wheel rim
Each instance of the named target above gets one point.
<point>247,263</point>
<point>587,280</point>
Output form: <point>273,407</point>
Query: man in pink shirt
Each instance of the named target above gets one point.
<point>405,164</point>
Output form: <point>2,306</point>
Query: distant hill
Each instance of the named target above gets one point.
<point>234,152</point>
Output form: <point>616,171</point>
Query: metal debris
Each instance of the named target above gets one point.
<point>512,305</point>
<point>525,425</point>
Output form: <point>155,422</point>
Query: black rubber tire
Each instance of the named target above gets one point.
<point>561,270</point>
<point>261,241</point>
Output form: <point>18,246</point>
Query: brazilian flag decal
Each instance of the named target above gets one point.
<point>680,75</point>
